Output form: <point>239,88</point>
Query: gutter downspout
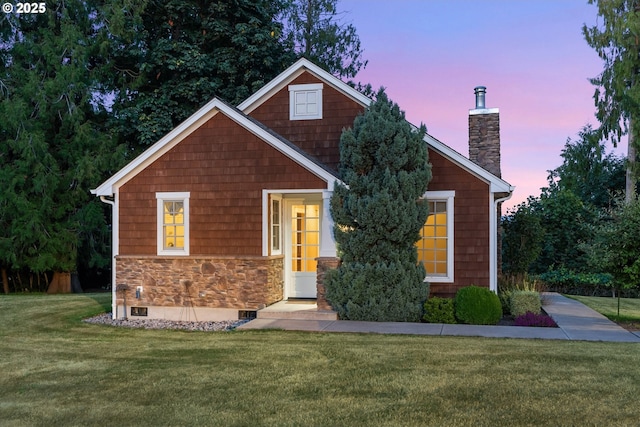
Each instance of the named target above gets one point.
<point>114,307</point>
<point>493,238</point>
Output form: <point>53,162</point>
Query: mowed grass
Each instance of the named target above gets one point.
<point>57,370</point>
<point>607,306</point>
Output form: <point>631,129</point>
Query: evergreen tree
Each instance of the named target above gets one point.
<point>54,145</point>
<point>318,34</point>
<point>378,215</point>
<point>174,56</point>
<point>588,171</point>
<point>617,96</point>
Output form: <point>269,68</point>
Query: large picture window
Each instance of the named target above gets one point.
<point>173,223</point>
<point>435,247</point>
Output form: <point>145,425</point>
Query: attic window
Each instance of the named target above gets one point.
<point>305,101</point>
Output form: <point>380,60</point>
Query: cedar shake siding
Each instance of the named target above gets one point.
<point>320,138</point>
<point>471,224</point>
<point>225,168</point>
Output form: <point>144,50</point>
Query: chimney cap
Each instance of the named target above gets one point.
<point>480,92</point>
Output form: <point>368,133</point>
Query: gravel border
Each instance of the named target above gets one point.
<point>105,319</point>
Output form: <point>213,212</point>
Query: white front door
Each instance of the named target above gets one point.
<point>302,240</point>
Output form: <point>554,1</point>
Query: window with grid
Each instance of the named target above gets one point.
<point>305,101</point>
<point>276,227</point>
<point>432,249</point>
<point>305,238</point>
<point>435,247</point>
<point>173,225</point>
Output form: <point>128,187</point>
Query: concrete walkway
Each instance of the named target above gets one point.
<point>575,320</point>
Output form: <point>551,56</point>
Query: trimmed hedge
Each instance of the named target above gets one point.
<point>439,310</point>
<point>477,306</point>
<point>566,281</point>
<point>523,302</point>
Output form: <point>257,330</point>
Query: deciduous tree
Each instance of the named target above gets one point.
<point>616,246</point>
<point>588,171</point>
<point>522,238</point>
<point>171,57</point>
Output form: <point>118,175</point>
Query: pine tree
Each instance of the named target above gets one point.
<point>315,28</point>
<point>617,96</point>
<point>54,144</point>
<point>378,214</point>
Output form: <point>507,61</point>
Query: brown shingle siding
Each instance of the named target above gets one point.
<point>319,138</point>
<point>471,222</point>
<point>225,171</point>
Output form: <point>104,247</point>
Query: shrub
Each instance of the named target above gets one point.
<point>532,319</point>
<point>477,306</point>
<point>382,292</point>
<point>522,302</point>
<point>439,310</point>
<point>509,283</point>
<point>520,282</point>
<point>505,300</point>
<point>568,282</point>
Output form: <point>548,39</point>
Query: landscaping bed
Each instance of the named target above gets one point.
<point>509,320</point>
<point>473,305</point>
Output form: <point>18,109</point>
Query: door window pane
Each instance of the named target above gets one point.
<point>305,237</point>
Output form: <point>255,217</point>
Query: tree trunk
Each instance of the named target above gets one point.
<point>630,185</point>
<point>60,283</point>
<point>5,281</point>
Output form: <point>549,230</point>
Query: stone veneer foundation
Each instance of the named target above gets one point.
<point>199,284</point>
<point>324,264</point>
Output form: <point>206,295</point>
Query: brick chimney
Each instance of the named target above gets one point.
<point>484,134</point>
<point>484,149</point>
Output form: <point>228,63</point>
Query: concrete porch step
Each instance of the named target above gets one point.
<point>297,310</point>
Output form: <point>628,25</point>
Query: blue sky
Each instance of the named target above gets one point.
<point>531,56</point>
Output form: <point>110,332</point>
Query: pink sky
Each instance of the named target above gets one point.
<point>530,54</point>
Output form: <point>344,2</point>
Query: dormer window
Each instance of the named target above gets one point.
<point>305,101</point>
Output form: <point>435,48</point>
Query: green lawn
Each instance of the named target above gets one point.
<point>629,307</point>
<point>56,370</point>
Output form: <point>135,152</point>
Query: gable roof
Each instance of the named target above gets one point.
<point>497,185</point>
<point>184,129</point>
<point>290,74</point>
<point>240,116</point>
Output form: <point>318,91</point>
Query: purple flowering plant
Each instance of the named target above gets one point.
<point>532,319</point>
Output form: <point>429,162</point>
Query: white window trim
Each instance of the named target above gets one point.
<point>275,197</point>
<point>312,87</point>
<point>449,197</point>
<point>178,197</point>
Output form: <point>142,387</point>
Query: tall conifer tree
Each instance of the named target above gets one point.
<point>318,34</point>
<point>54,145</point>
<point>378,215</point>
<point>617,40</point>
